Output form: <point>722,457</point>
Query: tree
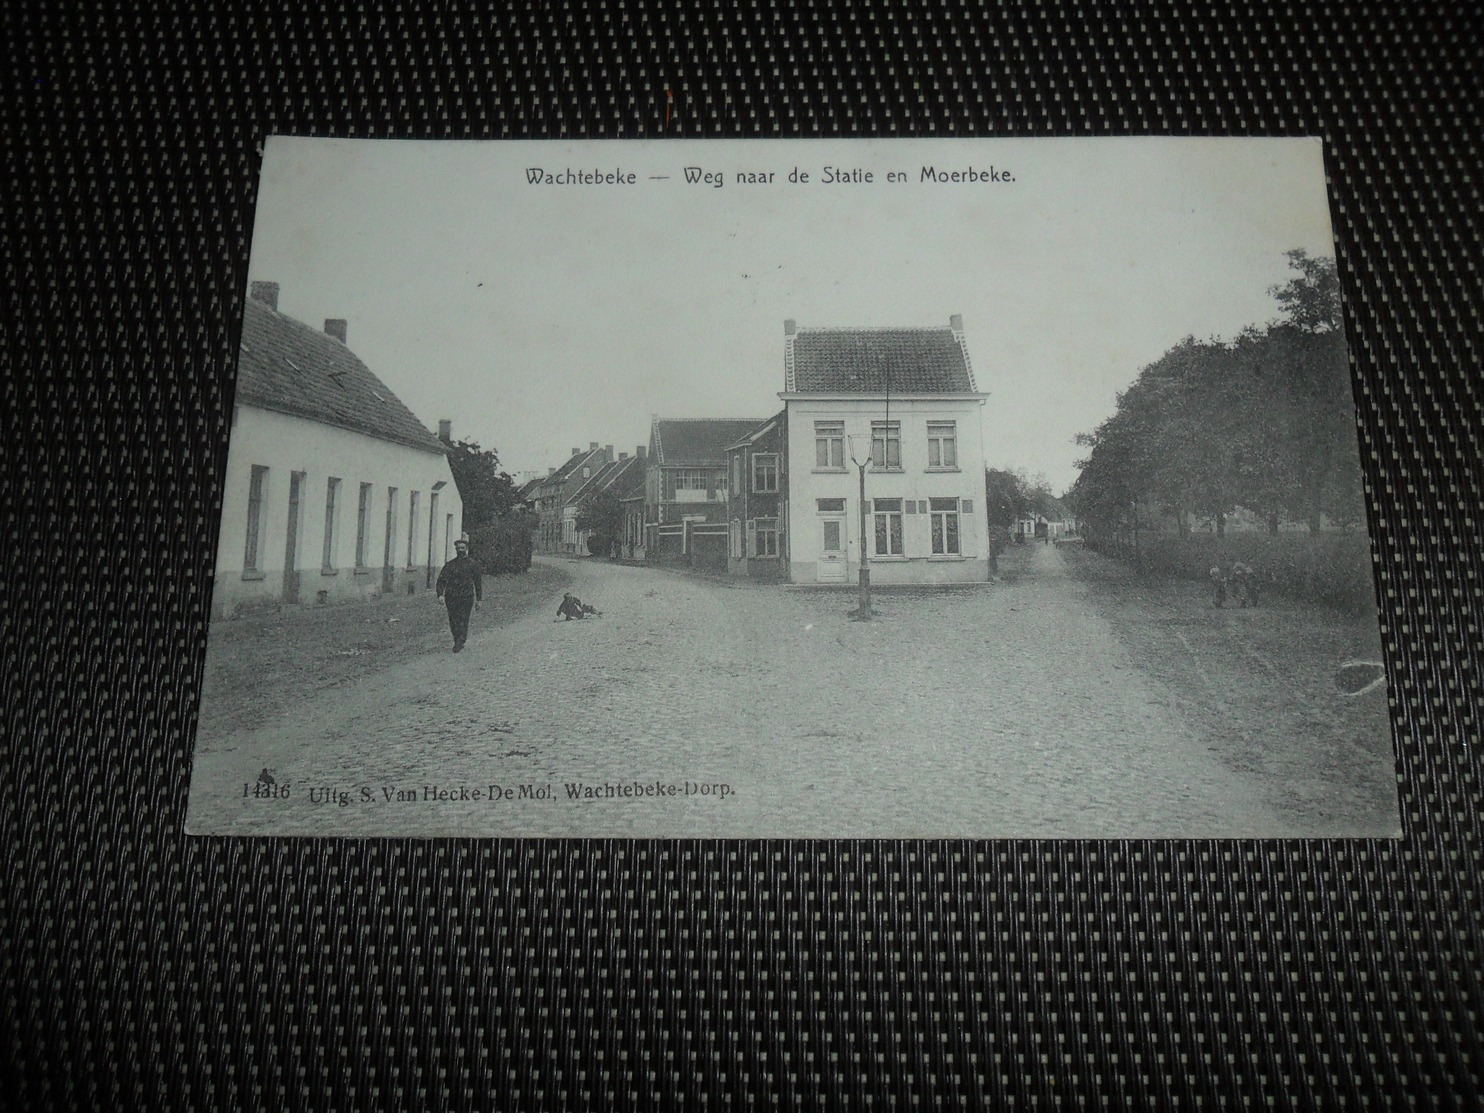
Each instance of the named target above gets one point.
<point>602,515</point>
<point>503,546</point>
<point>487,493</point>
<point>1004,498</point>
<point>1311,300</point>
<point>1037,499</point>
<point>1313,384</point>
<point>1264,422</point>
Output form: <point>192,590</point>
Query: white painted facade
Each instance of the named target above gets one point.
<point>277,510</point>
<point>916,485</point>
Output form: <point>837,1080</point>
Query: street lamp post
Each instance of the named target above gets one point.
<point>863,611</point>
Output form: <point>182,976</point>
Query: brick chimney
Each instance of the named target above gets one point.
<point>956,323</point>
<point>335,327</point>
<point>591,446</point>
<point>608,451</point>
<point>445,429</point>
<point>640,452</point>
<point>265,292</point>
<point>575,452</point>
<point>790,327</point>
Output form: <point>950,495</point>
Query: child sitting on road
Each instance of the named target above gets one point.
<point>572,609</point>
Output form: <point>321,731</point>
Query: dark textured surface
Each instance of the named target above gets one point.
<point>831,360</point>
<point>699,441</point>
<point>139,968</point>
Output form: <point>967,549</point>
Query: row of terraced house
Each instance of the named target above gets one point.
<point>896,412</point>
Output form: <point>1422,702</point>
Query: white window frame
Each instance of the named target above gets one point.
<point>762,537</point>
<point>889,436</point>
<point>829,437</point>
<point>942,440</point>
<point>888,521</point>
<point>941,518</point>
<point>768,462</point>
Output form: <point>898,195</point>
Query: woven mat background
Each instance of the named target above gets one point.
<point>138,968</point>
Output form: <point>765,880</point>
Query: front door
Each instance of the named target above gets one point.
<point>291,549</point>
<point>832,549</point>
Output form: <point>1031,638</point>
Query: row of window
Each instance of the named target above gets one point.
<point>829,454</point>
<point>764,473</point>
<point>253,556</point>
<point>886,515</point>
<point>761,539</point>
<point>684,484</point>
<point>886,445</point>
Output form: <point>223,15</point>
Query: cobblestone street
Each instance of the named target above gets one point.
<point>1007,710</point>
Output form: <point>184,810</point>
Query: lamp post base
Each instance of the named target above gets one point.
<point>863,611</point>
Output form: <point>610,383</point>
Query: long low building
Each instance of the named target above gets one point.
<point>334,490</point>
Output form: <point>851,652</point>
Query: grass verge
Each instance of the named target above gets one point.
<point>258,666</point>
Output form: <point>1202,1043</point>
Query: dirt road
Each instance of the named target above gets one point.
<point>697,707</point>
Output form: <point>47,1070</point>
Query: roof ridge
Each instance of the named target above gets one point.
<point>287,365</point>
<point>855,360</point>
<point>871,329</point>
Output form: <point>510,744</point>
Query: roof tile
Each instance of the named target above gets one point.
<point>698,441</point>
<point>871,361</point>
<point>292,368</point>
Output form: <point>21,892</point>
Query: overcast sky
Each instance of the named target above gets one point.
<point>539,317</point>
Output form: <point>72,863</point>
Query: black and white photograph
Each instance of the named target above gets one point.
<point>796,488</point>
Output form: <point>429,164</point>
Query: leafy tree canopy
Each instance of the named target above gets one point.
<point>488,493</point>
<point>1264,422</point>
<point>602,515</point>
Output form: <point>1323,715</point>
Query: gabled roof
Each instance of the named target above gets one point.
<point>874,361</point>
<point>630,481</point>
<point>594,483</point>
<point>697,441</point>
<point>758,431</point>
<point>621,477</point>
<point>528,490</point>
<point>294,369</point>
<point>568,468</point>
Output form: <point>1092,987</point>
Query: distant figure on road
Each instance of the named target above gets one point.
<point>572,609</point>
<point>461,588</point>
<point>1218,587</point>
<point>1244,584</point>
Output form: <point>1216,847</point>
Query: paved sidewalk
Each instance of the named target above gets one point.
<point>1006,710</point>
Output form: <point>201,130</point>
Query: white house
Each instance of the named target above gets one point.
<point>906,400</point>
<point>1038,528</point>
<point>334,489</point>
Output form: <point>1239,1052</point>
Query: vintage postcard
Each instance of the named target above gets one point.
<point>840,489</point>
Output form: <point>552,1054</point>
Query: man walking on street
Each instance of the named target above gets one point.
<point>461,588</point>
